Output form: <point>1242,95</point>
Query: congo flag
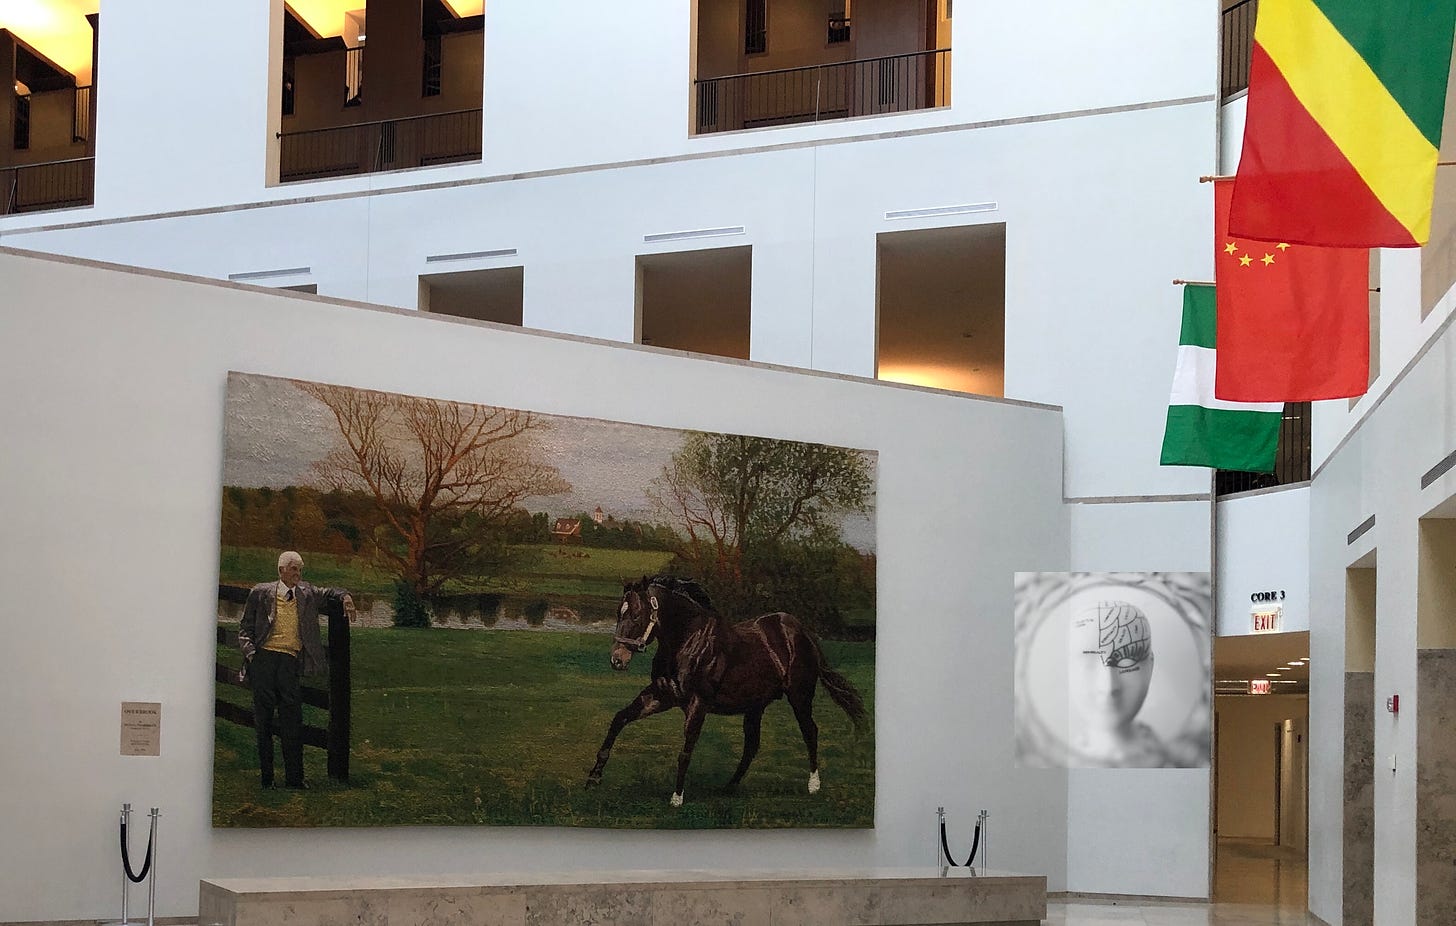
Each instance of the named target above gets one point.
<point>1346,99</point>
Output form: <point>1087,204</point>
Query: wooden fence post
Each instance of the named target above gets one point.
<point>339,685</point>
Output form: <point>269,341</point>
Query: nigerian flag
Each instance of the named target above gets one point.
<point>1203,430</point>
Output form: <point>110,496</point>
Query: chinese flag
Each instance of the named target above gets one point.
<point>1293,320</point>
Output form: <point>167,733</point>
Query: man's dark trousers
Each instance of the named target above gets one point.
<point>274,677</point>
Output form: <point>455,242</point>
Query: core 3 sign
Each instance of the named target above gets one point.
<point>1267,611</point>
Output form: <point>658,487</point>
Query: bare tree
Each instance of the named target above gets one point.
<point>444,475</point>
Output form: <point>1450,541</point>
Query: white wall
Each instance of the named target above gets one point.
<point>1160,817</point>
<point>1263,546</point>
<point>115,486</point>
<point>1091,316</point>
<point>577,83</point>
<point>1377,472</point>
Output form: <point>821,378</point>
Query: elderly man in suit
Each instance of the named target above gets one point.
<point>279,637</point>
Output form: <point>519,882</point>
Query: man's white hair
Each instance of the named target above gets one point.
<point>288,556</point>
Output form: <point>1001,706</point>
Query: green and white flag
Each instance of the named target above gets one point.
<point>1203,430</point>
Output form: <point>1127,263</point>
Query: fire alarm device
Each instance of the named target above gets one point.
<point>1392,704</point>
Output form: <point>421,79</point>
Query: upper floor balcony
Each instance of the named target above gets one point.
<point>1236,45</point>
<point>48,114</point>
<point>395,85</point>
<point>762,63</point>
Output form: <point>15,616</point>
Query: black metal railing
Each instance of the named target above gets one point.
<point>1238,46</point>
<point>49,185</point>
<point>81,121</point>
<point>868,86</point>
<point>1291,459</point>
<point>395,144</point>
<point>354,76</point>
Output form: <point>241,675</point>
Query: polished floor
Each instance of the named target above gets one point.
<point>1255,884</point>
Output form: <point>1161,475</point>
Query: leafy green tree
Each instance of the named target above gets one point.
<point>761,519</point>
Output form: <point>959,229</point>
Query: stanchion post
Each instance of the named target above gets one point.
<point>985,840</point>
<point>152,884</point>
<point>125,881</point>
<point>940,860</point>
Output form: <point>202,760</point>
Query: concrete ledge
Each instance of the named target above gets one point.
<point>867,897</point>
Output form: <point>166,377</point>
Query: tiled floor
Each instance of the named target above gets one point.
<point>1255,884</point>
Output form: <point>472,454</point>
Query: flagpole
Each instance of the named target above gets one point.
<point>1192,282</point>
<point>1211,178</point>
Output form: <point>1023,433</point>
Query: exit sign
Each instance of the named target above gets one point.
<point>1268,618</point>
<point>1258,686</point>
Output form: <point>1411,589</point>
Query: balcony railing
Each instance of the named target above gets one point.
<point>1291,459</point>
<point>869,86</point>
<point>49,185</point>
<point>81,116</point>
<point>1238,46</point>
<point>395,144</point>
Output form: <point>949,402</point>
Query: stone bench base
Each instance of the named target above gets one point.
<point>861,897</point>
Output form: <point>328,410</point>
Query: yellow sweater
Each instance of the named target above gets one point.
<point>284,638</point>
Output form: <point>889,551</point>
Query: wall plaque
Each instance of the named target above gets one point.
<point>141,728</point>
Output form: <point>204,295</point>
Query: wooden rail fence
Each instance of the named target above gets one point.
<point>334,738</point>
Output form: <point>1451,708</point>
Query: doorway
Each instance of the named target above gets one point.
<point>1261,769</point>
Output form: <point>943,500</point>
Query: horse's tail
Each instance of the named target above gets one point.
<point>841,690</point>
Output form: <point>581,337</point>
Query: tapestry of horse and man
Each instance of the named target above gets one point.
<point>551,620</point>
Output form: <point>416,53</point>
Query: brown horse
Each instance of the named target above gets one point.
<point>705,665</point>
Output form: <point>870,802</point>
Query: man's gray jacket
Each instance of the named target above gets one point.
<point>261,610</point>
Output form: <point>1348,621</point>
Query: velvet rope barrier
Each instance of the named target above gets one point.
<point>945,843</point>
<point>126,856</point>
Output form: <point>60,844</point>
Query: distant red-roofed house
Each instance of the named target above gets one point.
<point>566,529</point>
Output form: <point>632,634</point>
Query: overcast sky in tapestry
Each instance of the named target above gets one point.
<point>602,468</point>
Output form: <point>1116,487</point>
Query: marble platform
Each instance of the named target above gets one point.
<point>841,897</point>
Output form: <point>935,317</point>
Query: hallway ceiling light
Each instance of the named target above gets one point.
<point>1273,674</point>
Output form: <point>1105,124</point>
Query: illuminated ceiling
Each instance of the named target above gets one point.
<point>56,28</point>
<point>326,17</point>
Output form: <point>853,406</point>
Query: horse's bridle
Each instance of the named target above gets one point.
<point>640,644</point>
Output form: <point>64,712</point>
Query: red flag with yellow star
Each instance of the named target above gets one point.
<point>1293,320</point>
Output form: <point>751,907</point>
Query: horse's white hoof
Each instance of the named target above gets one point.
<point>814,783</point>
<point>676,799</point>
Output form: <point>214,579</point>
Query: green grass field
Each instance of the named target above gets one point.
<point>501,727</point>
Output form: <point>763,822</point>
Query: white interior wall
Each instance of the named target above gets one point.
<point>1089,323</point>
<point>115,487</point>
<point>1160,817</point>
<point>213,130</point>
<point>1377,472</point>
<point>1263,546</point>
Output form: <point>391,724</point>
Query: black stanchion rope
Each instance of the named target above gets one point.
<point>945,846</point>
<point>147,862</point>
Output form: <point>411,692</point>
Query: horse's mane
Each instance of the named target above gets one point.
<point>688,588</point>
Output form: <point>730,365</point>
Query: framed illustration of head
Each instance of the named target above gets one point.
<point>442,613</point>
<point>1113,670</point>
